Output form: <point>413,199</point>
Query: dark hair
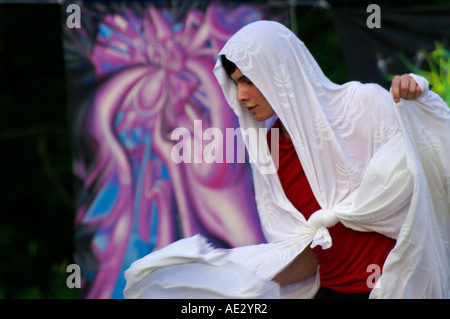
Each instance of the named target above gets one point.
<point>229,66</point>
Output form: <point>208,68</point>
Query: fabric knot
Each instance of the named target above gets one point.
<point>322,238</point>
<point>323,217</point>
<point>320,220</point>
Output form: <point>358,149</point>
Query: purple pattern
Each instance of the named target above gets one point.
<point>152,75</point>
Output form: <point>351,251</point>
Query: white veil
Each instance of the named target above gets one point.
<point>372,165</point>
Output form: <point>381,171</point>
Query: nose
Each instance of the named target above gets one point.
<point>241,94</point>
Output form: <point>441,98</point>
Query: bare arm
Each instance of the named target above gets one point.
<point>303,267</point>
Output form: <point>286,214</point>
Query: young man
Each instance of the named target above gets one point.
<point>343,267</point>
<point>340,153</point>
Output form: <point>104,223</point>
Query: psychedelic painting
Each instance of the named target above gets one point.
<point>136,72</point>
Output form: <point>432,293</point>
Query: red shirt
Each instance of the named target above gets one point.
<point>343,267</point>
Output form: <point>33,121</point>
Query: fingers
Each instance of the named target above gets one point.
<point>405,87</point>
<point>418,90</point>
<point>395,87</point>
<point>408,88</point>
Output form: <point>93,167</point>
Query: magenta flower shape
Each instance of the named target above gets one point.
<point>154,74</point>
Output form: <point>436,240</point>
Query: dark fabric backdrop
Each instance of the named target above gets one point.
<point>368,52</point>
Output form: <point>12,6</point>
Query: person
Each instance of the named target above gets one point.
<point>358,205</point>
<point>342,267</point>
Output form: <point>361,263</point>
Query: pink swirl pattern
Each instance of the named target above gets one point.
<point>153,74</point>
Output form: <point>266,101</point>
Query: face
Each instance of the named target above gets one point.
<point>251,98</point>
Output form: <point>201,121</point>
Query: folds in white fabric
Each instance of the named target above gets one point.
<point>191,268</point>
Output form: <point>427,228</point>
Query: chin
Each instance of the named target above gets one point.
<point>260,118</point>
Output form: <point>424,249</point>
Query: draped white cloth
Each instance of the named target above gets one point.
<point>373,165</point>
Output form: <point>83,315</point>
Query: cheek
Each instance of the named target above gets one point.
<point>268,109</point>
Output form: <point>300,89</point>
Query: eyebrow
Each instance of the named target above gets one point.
<point>242,77</point>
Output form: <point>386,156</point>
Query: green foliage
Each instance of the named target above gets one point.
<point>439,73</point>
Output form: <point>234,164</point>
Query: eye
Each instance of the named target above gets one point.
<point>245,80</point>
<point>242,80</point>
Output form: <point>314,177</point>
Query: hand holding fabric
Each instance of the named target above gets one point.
<point>405,87</point>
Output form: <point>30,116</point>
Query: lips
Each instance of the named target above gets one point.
<point>251,108</point>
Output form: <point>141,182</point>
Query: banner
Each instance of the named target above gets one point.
<point>136,72</point>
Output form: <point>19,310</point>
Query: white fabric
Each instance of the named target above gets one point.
<point>193,263</point>
<point>372,165</point>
